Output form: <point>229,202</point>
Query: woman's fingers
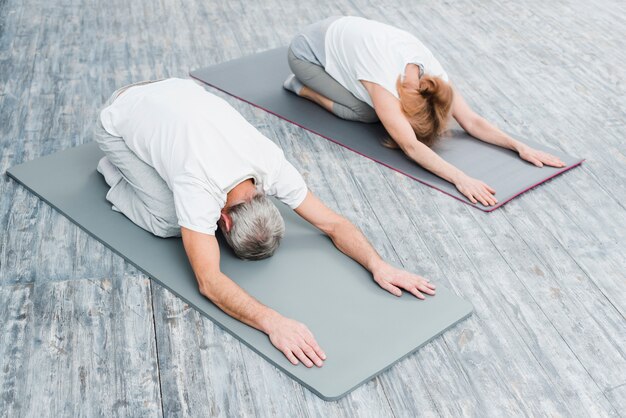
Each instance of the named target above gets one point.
<point>470,196</point>
<point>483,197</point>
<point>480,192</point>
<point>553,161</point>
<point>536,161</point>
<point>492,200</point>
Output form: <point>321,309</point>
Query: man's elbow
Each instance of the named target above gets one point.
<point>207,286</point>
<point>337,227</point>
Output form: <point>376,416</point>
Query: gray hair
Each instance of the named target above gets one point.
<point>257,228</point>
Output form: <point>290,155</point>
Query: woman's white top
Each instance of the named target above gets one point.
<point>362,49</point>
<point>201,146</point>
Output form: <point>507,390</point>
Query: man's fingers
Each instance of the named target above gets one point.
<point>292,359</point>
<point>429,285</point>
<point>390,288</point>
<point>310,340</point>
<point>310,353</point>
<point>416,293</point>
<point>489,188</point>
<point>426,289</point>
<point>302,357</point>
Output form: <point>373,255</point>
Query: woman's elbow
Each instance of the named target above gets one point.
<point>471,124</point>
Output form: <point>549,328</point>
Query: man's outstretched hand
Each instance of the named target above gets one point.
<point>393,280</point>
<point>295,341</point>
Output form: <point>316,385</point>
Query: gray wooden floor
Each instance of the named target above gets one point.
<point>84,334</point>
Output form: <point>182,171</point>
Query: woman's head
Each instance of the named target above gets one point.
<point>426,107</point>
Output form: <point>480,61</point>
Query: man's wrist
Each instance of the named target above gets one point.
<point>375,264</point>
<point>266,319</point>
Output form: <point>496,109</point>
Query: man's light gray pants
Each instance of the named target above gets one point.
<point>140,193</point>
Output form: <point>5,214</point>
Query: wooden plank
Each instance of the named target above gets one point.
<point>16,327</point>
<point>90,350</point>
<point>576,299</point>
<point>536,356</point>
<point>617,396</point>
<point>201,367</point>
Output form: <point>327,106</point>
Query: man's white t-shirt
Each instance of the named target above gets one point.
<point>363,49</point>
<point>201,146</point>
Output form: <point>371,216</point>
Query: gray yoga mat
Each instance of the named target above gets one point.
<point>258,79</point>
<point>363,329</point>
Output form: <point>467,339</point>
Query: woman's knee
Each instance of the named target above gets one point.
<point>358,112</point>
<point>365,113</point>
<point>305,71</point>
<point>297,65</point>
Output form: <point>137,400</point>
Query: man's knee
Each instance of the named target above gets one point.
<point>165,228</point>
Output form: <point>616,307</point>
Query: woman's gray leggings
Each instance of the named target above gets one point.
<point>345,105</point>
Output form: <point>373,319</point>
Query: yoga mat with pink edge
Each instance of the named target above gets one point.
<point>257,79</point>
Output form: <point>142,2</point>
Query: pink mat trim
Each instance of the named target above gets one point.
<point>489,209</point>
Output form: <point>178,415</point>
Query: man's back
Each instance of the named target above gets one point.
<point>200,146</point>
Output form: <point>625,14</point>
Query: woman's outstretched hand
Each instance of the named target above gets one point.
<point>476,191</point>
<point>539,158</point>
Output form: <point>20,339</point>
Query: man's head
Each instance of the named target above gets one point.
<point>252,224</point>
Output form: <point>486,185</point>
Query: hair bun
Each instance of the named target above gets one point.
<point>428,86</point>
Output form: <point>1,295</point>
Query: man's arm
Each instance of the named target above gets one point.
<point>291,337</point>
<point>349,240</point>
<point>480,128</point>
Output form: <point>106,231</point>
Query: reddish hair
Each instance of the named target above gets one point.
<point>427,108</point>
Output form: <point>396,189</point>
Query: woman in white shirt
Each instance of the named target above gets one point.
<point>367,71</point>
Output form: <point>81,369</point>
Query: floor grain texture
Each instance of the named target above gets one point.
<point>84,334</point>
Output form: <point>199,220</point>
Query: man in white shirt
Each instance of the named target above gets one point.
<point>181,161</point>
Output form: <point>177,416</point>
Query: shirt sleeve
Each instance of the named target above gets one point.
<point>288,186</point>
<point>196,206</point>
<point>435,69</point>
